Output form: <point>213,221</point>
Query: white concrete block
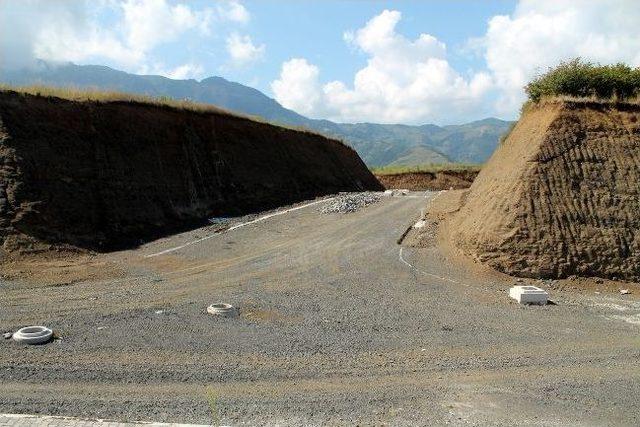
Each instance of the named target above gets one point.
<point>529,295</point>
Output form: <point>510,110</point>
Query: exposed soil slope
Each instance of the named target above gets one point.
<point>421,181</point>
<point>561,196</point>
<point>105,175</point>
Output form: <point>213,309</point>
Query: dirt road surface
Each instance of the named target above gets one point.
<point>335,328</point>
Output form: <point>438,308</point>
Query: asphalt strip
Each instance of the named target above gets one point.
<point>235,227</point>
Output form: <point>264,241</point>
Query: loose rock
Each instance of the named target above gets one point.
<point>347,203</point>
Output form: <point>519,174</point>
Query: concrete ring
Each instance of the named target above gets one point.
<point>222,309</point>
<point>33,335</point>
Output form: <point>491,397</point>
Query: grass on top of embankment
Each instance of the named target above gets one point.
<point>106,96</point>
<point>430,168</point>
<point>585,80</point>
<point>77,94</point>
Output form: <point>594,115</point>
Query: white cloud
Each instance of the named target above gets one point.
<point>181,72</point>
<point>242,50</point>
<point>234,11</point>
<point>21,28</point>
<point>185,71</point>
<point>411,81</point>
<point>299,87</point>
<point>541,33</point>
<point>73,30</point>
<point>148,23</point>
<point>405,81</point>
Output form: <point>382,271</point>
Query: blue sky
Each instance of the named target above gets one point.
<point>403,61</point>
<point>318,27</point>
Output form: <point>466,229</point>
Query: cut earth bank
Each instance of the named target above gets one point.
<point>559,198</point>
<point>107,175</point>
<point>433,181</point>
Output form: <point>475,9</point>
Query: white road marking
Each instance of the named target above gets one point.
<point>426,273</point>
<point>404,261</point>
<point>262,218</point>
<point>630,308</point>
<point>235,227</point>
<point>633,319</point>
<point>437,195</point>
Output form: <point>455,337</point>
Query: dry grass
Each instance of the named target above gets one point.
<point>592,100</point>
<point>504,136</point>
<point>431,168</point>
<point>559,99</point>
<point>105,96</point>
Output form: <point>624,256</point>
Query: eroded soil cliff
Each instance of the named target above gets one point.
<point>108,175</point>
<point>561,196</point>
<point>434,181</point>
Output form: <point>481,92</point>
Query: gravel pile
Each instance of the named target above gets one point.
<point>347,203</point>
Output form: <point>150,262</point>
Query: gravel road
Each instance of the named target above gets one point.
<point>334,328</point>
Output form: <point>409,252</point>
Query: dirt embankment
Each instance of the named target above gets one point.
<point>561,196</point>
<point>434,181</point>
<point>107,175</point>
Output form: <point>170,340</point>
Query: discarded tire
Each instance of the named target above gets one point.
<point>222,309</point>
<point>33,335</point>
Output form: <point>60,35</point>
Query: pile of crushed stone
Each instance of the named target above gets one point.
<point>347,203</point>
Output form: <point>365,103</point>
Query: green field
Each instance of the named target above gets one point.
<point>438,167</point>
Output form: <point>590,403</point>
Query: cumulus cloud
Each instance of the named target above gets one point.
<point>181,72</point>
<point>411,81</point>
<point>71,30</point>
<point>242,50</point>
<point>21,29</point>
<point>541,33</point>
<point>405,81</point>
<point>234,11</point>
<point>148,23</point>
<point>299,87</point>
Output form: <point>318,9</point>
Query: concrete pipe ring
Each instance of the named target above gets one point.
<point>33,335</point>
<point>222,309</point>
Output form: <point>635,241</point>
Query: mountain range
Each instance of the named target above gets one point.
<point>378,144</point>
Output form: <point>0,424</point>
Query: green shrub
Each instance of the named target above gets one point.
<point>581,79</point>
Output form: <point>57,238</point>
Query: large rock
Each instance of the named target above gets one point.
<point>561,196</point>
<point>105,175</point>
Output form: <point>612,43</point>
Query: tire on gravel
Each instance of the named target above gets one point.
<point>222,309</point>
<point>33,335</point>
